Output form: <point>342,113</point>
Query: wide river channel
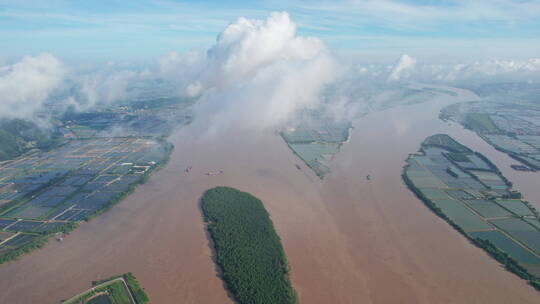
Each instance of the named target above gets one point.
<point>347,239</point>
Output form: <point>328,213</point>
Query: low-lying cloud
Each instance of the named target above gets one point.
<point>26,85</point>
<point>490,70</point>
<point>405,64</point>
<point>101,88</point>
<point>257,74</point>
<point>35,85</point>
<point>408,68</point>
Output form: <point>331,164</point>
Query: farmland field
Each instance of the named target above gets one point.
<point>5,223</point>
<point>533,222</point>
<point>4,235</point>
<point>479,210</point>
<point>101,299</point>
<point>315,155</point>
<point>427,182</point>
<point>490,209</point>
<point>31,212</point>
<point>522,231</point>
<point>462,216</point>
<point>513,224</point>
<point>507,245</point>
<point>516,206</point>
<point>51,191</point>
<point>316,140</point>
<point>481,122</point>
<point>18,240</point>
<point>435,193</point>
<point>511,129</point>
<point>123,289</point>
<point>446,142</point>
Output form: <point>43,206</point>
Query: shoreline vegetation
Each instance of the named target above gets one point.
<point>247,248</point>
<point>442,201</point>
<point>40,239</point>
<point>121,289</point>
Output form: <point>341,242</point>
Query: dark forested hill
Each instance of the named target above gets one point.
<point>19,136</point>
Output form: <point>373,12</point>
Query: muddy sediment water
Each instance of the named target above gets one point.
<point>347,239</point>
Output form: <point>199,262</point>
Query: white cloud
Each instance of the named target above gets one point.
<point>455,73</point>
<point>403,67</point>
<point>481,71</point>
<point>26,85</point>
<point>100,88</point>
<point>258,73</point>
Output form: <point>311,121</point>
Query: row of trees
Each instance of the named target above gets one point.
<point>13,254</point>
<point>248,250</point>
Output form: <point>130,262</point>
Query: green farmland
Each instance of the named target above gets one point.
<point>316,140</point>
<point>48,194</point>
<point>510,129</point>
<point>518,207</point>
<point>487,209</point>
<point>507,245</point>
<point>123,289</point>
<point>481,122</point>
<point>470,193</point>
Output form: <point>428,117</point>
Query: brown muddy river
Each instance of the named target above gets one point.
<point>348,240</point>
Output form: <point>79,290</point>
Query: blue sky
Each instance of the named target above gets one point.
<point>378,30</point>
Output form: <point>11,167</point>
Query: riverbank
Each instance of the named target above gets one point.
<point>347,239</point>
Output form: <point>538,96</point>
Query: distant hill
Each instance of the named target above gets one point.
<point>20,136</point>
<point>509,91</point>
